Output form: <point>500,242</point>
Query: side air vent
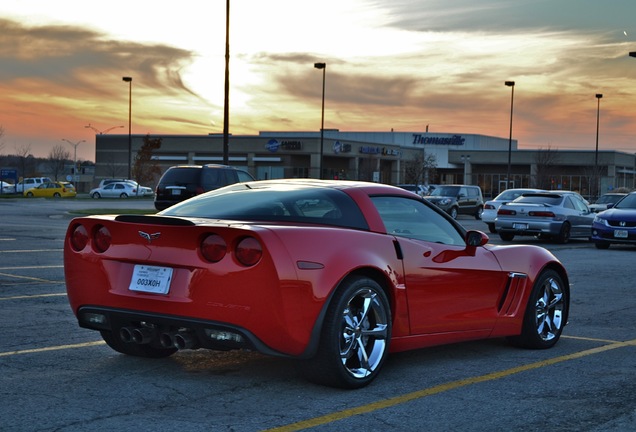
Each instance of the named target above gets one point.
<point>511,299</point>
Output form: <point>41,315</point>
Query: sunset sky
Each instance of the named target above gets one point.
<point>392,64</point>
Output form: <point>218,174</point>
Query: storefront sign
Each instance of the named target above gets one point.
<point>339,147</point>
<point>379,150</point>
<point>433,140</point>
<point>292,145</point>
<point>274,145</point>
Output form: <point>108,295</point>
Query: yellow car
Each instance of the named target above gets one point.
<point>52,190</point>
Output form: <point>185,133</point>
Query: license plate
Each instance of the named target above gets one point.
<point>520,226</point>
<point>176,191</point>
<point>151,279</point>
<point>620,234</point>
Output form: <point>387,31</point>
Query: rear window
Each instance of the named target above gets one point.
<point>551,199</point>
<point>238,202</point>
<point>450,191</point>
<point>185,176</point>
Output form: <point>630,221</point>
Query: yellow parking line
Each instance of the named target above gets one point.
<point>28,278</point>
<point>31,267</point>
<point>386,403</point>
<point>52,348</point>
<point>32,296</point>
<point>606,341</point>
<point>31,250</point>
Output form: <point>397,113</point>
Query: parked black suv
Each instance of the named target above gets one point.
<point>458,199</point>
<point>181,182</point>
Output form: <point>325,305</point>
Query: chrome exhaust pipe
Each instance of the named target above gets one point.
<point>184,340</point>
<point>167,339</point>
<point>125,334</point>
<point>142,335</point>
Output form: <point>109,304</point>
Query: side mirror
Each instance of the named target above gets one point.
<point>476,238</point>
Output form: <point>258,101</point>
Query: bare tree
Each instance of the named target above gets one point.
<point>57,158</point>
<point>546,161</point>
<point>145,169</point>
<point>25,160</point>
<point>1,135</point>
<point>420,168</point>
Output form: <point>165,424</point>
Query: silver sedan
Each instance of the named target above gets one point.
<point>115,190</point>
<point>490,207</point>
<point>557,215</point>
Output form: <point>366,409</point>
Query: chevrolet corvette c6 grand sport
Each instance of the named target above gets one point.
<point>335,274</point>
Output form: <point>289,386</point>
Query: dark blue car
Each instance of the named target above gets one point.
<point>617,224</point>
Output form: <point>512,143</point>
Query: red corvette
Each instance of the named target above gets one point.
<point>336,274</point>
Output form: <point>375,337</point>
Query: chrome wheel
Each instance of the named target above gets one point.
<point>546,313</point>
<point>364,333</point>
<point>355,336</point>
<point>549,310</point>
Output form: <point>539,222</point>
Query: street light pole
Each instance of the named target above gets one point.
<point>89,126</point>
<point>226,97</point>
<point>74,157</point>
<point>512,98</point>
<point>596,173</point>
<point>322,66</point>
<point>129,81</point>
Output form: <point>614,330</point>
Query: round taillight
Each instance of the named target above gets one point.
<point>79,238</point>
<point>102,239</point>
<point>249,251</point>
<point>213,248</point>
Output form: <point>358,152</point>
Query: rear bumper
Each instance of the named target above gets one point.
<point>531,227</point>
<point>206,334</point>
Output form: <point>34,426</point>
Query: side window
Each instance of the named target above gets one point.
<point>410,218</point>
<point>463,192</point>
<point>580,205</point>
<point>243,176</point>
<point>472,192</point>
<point>567,203</point>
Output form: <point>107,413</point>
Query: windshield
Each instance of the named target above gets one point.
<point>609,199</point>
<point>445,191</point>
<point>273,203</point>
<point>628,202</point>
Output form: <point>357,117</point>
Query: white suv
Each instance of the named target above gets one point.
<point>30,182</point>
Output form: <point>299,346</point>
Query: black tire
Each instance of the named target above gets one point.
<point>123,195</point>
<point>506,236</point>
<point>453,212</point>
<point>546,313</point>
<point>602,245</point>
<point>564,234</point>
<point>480,210</point>
<point>134,349</point>
<point>30,194</point>
<point>491,228</point>
<point>57,195</point>
<point>96,195</point>
<point>355,336</point>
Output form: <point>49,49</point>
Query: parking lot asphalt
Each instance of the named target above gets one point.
<point>55,376</point>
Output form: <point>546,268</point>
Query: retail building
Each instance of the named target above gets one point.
<point>493,163</point>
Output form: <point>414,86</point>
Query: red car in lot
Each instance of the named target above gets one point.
<point>336,274</point>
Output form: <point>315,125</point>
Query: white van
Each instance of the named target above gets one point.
<point>30,182</point>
